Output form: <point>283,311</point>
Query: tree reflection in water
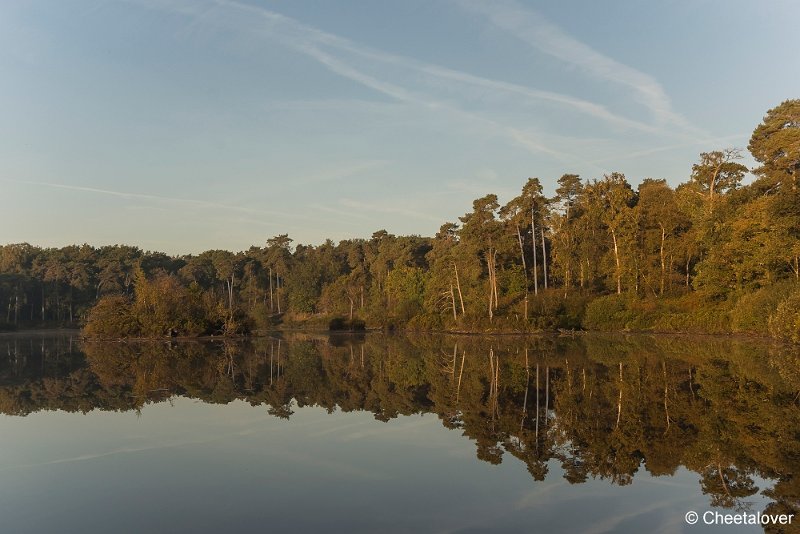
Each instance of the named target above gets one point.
<point>602,407</point>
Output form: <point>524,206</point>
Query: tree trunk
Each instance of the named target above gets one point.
<point>458,286</point>
<point>489,262</point>
<point>688,260</point>
<point>494,277</point>
<point>271,304</point>
<point>229,283</point>
<point>663,262</point>
<point>544,261</point>
<point>546,394</point>
<point>524,269</point>
<point>278,291</point>
<point>533,246</point>
<point>616,260</point>
<point>453,301</point>
<point>619,401</point>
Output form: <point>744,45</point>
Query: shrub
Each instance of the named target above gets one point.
<point>607,313</point>
<point>785,322</point>
<point>112,317</point>
<point>752,311</point>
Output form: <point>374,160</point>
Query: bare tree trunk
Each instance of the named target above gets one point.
<point>616,259</point>
<point>453,301</point>
<point>524,269</point>
<point>460,374</point>
<point>619,402</point>
<point>489,262</point>
<point>458,286</point>
<point>533,246</point>
<point>537,406</point>
<point>666,391</point>
<point>663,262</point>
<point>271,303</point>
<point>544,261</point>
<point>494,277</point>
<point>230,293</point>
<point>688,259</point>
<point>546,394</point>
<point>278,291</point>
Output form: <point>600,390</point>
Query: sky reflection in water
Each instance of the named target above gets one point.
<point>190,466</point>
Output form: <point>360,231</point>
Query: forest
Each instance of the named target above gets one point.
<point>712,255</point>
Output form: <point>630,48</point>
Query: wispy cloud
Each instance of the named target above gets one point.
<point>159,198</point>
<point>403,79</point>
<point>719,142</point>
<point>534,29</point>
<point>386,208</point>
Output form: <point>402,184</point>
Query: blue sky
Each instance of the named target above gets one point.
<point>185,125</point>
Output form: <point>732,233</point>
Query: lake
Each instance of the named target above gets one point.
<point>384,433</point>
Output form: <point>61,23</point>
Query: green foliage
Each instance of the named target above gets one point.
<point>751,313</point>
<point>406,290</point>
<point>784,324</point>
<point>304,282</point>
<point>608,313</point>
<point>692,314</point>
<point>112,317</point>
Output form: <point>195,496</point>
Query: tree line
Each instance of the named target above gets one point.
<point>710,255</point>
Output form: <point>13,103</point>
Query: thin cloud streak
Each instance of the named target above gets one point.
<point>532,28</point>
<point>309,36</point>
<point>310,41</point>
<point>667,148</point>
<point>394,91</point>
<point>143,196</point>
<point>355,204</point>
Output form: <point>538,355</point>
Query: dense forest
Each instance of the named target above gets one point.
<point>587,407</point>
<point>712,255</point>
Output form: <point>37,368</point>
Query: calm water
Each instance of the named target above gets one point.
<point>391,434</point>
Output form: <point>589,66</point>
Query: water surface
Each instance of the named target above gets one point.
<point>386,433</point>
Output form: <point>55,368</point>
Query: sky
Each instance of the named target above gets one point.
<point>187,125</point>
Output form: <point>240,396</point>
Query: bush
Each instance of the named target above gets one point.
<point>427,322</point>
<point>785,322</point>
<point>112,317</point>
<point>752,311</point>
<point>607,313</point>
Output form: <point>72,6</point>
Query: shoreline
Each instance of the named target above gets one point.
<point>346,333</point>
